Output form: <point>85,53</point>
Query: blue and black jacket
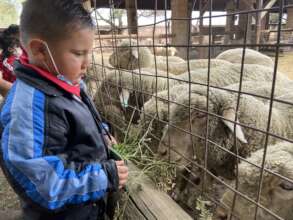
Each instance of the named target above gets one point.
<point>53,151</point>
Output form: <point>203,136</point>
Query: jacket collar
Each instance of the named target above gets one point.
<point>42,76</point>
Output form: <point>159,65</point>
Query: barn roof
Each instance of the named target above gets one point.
<point>218,5</point>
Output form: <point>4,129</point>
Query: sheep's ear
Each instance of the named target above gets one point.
<point>124,98</point>
<point>230,114</point>
<point>174,51</point>
<point>135,52</point>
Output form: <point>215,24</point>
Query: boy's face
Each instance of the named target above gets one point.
<point>71,55</point>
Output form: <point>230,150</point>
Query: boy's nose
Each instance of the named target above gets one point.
<point>85,63</point>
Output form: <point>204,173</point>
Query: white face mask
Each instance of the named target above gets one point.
<point>18,52</point>
<point>59,75</point>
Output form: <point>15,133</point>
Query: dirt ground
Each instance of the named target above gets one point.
<point>8,199</point>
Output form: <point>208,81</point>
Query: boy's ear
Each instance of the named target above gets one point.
<point>37,48</point>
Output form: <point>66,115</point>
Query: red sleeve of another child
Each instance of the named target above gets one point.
<point>7,69</point>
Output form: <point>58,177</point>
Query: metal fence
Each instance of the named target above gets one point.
<point>213,130</point>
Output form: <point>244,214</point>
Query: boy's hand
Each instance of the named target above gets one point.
<point>122,173</point>
<point>110,142</point>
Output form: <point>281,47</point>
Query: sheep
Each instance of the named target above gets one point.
<point>156,109</point>
<point>230,74</point>
<point>276,194</point>
<point>182,67</point>
<point>251,57</point>
<point>96,72</point>
<point>161,51</point>
<point>252,112</point>
<point>188,188</point>
<point>93,78</point>
<point>131,57</point>
<point>183,188</point>
<point>219,76</point>
<point>114,116</point>
<point>128,90</point>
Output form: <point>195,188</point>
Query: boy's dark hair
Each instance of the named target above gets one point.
<point>9,39</point>
<point>53,19</point>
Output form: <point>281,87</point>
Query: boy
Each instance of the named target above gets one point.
<point>53,151</point>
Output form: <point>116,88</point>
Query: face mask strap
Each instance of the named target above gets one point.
<point>46,66</point>
<point>59,75</point>
<point>51,57</point>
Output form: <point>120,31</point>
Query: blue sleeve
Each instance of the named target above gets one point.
<point>43,178</point>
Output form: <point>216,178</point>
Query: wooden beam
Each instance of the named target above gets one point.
<point>131,16</point>
<point>218,30</point>
<point>201,50</point>
<point>148,203</point>
<point>133,36</point>
<point>258,22</point>
<point>289,18</point>
<point>87,5</point>
<point>269,5</point>
<point>230,8</point>
<point>181,10</point>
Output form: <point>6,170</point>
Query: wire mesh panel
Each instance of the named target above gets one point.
<point>198,85</point>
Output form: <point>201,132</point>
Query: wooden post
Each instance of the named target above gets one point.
<point>258,22</point>
<point>289,18</point>
<point>131,16</point>
<point>201,50</point>
<point>266,21</point>
<point>87,5</point>
<point>230,8</point>
<point>180,28</point>
<point>244,22</point>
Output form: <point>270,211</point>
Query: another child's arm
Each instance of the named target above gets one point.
<point>4,87</point>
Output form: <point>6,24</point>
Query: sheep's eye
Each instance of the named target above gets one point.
<point>195,179</point>
<point>286,185</point>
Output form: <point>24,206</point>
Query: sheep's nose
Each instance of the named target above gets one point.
<point>221,214</point>
<point>195,180</point>
<point>162,150</point>
<point>223,217</point>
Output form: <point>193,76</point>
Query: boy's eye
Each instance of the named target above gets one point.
<point>78,53</point>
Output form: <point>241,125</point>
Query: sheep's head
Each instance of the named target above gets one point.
<point>176,141</point>
<point>129,55</point>
<point>276,194</point>
<point>173,51</point>
<point>124,89</point>
<point>221,131</point>
<point>109,91</point>
<point>189,185</point>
